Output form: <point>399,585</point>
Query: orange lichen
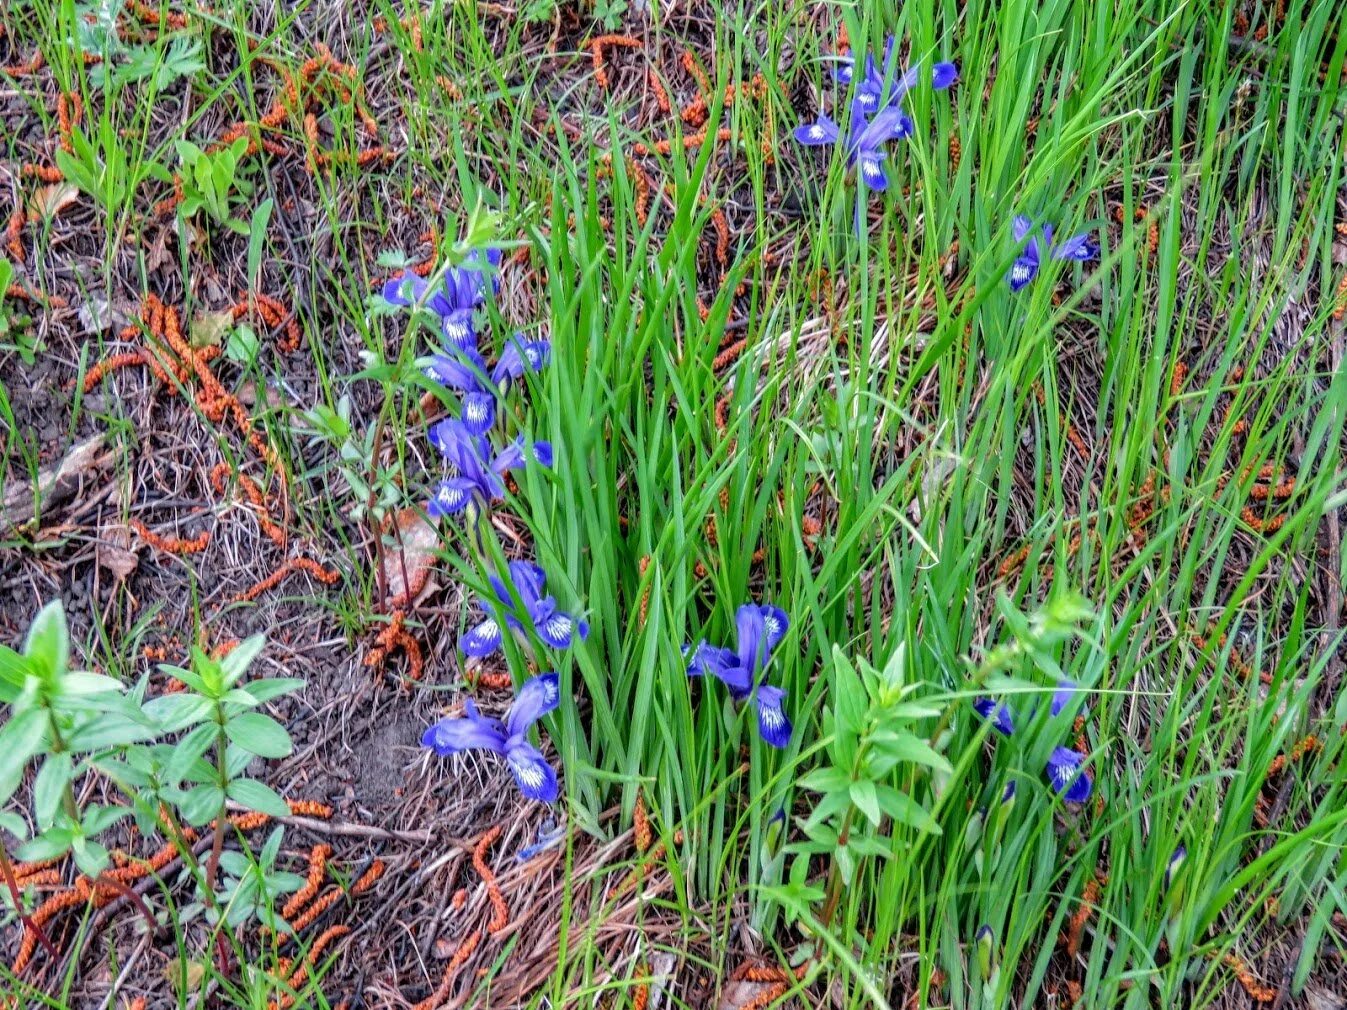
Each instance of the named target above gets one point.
<point>1258,992</point>
<point>501,911</point>
<point>273,314</point>
<point>324,575</point>
<point>273,531</point>
<point>171,545</point>
<point>369,878</point>
<point>641,832</point>
<point>661,95</point>
<point>460,958</point>
<point>69,113</point>
<point>1075,926</point>
<point>318,857</point>
<point>14,235</point>
<point>596,47</point>
<point>1177,378</point>
<point>644,566</point>
<point>329,898</point>
<point>395,636</point>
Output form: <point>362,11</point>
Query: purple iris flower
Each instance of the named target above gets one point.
<point>461,292</point>
<point>477,470</point>
<point>474,731</point>
<point>760,630</point>
<point>464,369</point>
<point>1175,864</point>
<point>1000,715</point>
<point>881,100</point>
<point>1025,267</point>
<point>875,82</point>
<point>1066,776</point>
<point>555,627</point>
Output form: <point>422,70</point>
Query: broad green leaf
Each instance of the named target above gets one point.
<point>866,798</point>
<point>905,810</point>
<point>256,796</point>
<point>49,787</point>
<point>175,712</point>
<point>47,845</point>
<point>48,643</point>
<point>187,751</point>
<point>201,804</point>
<point>267,688</point>
<point>14,824</point>
<point>236,664</point>
<point>260,734</point>
<point>20,739</point>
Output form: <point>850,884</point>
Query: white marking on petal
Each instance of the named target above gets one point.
<point>558,627</point>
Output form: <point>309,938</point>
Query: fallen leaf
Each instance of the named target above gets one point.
<point>209,328</point>
<point>1322,999</point>
<point>48,201</point>
<point>409,553</point>
<point>114,553</point>
<point>56,484</point>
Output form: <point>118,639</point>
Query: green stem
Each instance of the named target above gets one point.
<point>222,768</point>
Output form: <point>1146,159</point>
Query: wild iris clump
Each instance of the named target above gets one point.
<point>477,457</point>
<point>876,114</point>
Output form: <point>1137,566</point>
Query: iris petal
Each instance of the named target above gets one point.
<point>1078,247</point>
<point>872,172</point>
<point>537,697</point>
<point>943,75</point>
<point>558,629</point>
<point>479,412</point>
<point>482,640</point>
<point>472,732</point>
<point>772,721</point>
<point>998,713</point>
<point>531,771</point>
<point>452,496</point>
<point>1066,776</point>
<point>821,132</point>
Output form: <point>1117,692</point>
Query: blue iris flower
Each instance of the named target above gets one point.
<point>555,627</point>
<point>760,630</point>
<point>477,468</point>
<point>474,731</point>
<point>878,96</point>
<point>1040,244</point>
<point>464,369</point>
<point>1000,715</point>
<point>883,86</point>
<point>456,298</point>
<point>1066,776</point>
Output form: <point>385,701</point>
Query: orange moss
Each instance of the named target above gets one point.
<point>171,545</point>
<point>641,832</point>
<point>596,47</point>
<point>395,636</point>
<point>369,878</point>
<point>661,95</point>
<point>501,911</point>
<point>460,958</point>
<point>324,575</point>
<point>318,857</point>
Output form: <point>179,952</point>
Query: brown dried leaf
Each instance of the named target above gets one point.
<point>209,328</point>
<point>114,553</point>
<point>409,554</point>
<point>48,201</point>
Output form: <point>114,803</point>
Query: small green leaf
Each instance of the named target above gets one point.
<point>48,644</point>
<point>260,734</point>
<point>236,664</point>
<point>14,824</point>
<point>866,798</point>
<point>47,845</point>
<point>268,688</point>
<point>190,749</point>
<point>20,739</point>
<point>256,796</point>
<point>49,786</point>
<point>201,803</point>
